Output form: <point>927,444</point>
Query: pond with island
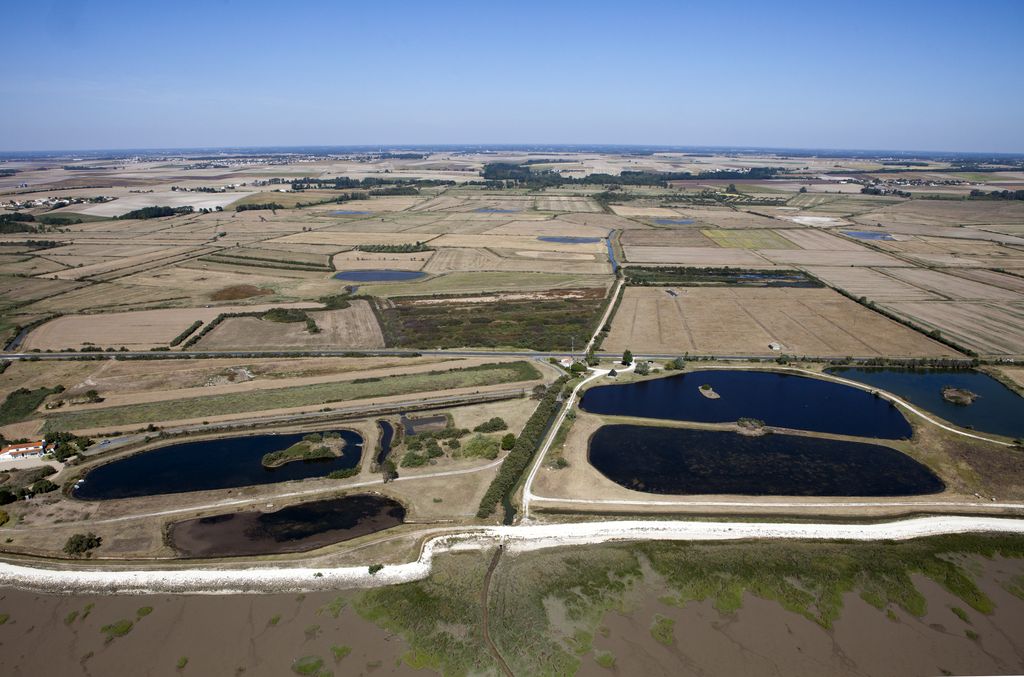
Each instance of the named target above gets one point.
<point>381,275</point>
<point>778,399</point>
<point>205,465</point>
<point>296,528</point>
<point>994,408</point>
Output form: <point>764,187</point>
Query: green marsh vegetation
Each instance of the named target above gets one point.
<point>546,607</point>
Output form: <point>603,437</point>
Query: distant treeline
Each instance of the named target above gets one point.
<point>407,248</point>
<point>8,172</point>
<point>998,195</point>
<point>498,174</point>
<point>155,212</point>
<point>344,182</point>
<point>17,222</point>
<point>260,205</point>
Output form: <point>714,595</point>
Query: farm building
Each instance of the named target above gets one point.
<point>23,450</point>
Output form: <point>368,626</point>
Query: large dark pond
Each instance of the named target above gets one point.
<point>680,461</point>
<point>293,529</point>
<point>210,464</point>
<point>383,275</point>
<point>997,409</point>
<point>780,400</point>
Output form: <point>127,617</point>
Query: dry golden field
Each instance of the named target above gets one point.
<point>744,321</point>
<point>137,330</point>
<point>354,328</point>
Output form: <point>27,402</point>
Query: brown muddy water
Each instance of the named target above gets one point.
<point>219,635</point>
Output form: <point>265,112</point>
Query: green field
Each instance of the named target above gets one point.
<point>543,323</point>
<point>297,396</point>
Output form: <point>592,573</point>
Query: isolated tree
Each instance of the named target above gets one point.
<point>803,189</point>
<point>642,368</point>
<point>508,441</point>
<point>79,544</point>
<point>389,470</point>
<point>627,358</point>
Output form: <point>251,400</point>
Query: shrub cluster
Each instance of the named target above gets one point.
<point>519,458</point>
<point>185,334</point>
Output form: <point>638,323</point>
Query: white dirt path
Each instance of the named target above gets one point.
<point>77,578</point>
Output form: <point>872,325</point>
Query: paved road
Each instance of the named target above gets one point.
<point>169,355</point>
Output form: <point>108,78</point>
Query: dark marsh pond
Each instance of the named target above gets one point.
<point>680,461</point>
<point>780,400</point>
<point>382,275</point>
<point>210,464</point>
<point>296,528</point>
<point>997,410</point>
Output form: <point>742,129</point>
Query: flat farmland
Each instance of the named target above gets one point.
<point>117,263</point>
<point>137,330</point>
<point>550,228</point>
<point>947,213</point>
<point>871,284</point>
<point>675,237</point>
<point>986,328</point>
<point>810,238</point>
<point>993,278</point>
<point>515,242</point>
<point>532,260</point>
<point>651,212</point>
<point>810,257</point>
<point>332,237</point>
<point>722,217</point>
<point>694,256</point>
<point>952,287</point>
<point>473,282</point>
<point>744,321</point>
<point>359,260</point>
<point>562,203</point>
<point>353,328</point>
<point>753,238</point>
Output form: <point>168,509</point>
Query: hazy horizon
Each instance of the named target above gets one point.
<point>925,76</point>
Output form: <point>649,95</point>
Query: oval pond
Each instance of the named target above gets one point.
<point>210,464</point>
<point>296,528</point>
<point>682,461</point>
<point>780,400</point>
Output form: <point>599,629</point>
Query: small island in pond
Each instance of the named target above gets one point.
<point>312,446</point>
<point>960,396</point>
<point>707,391</point>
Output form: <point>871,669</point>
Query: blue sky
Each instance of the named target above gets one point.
<point>896,75</point>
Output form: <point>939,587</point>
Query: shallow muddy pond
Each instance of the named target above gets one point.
<point>210,464</point>
<point>780,400</point>
<point>681,461</point>
<point>996,410</point>
<point>293,529</point>
<point>382,275</point>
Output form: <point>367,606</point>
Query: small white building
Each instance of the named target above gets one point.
<point>23,450</point>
